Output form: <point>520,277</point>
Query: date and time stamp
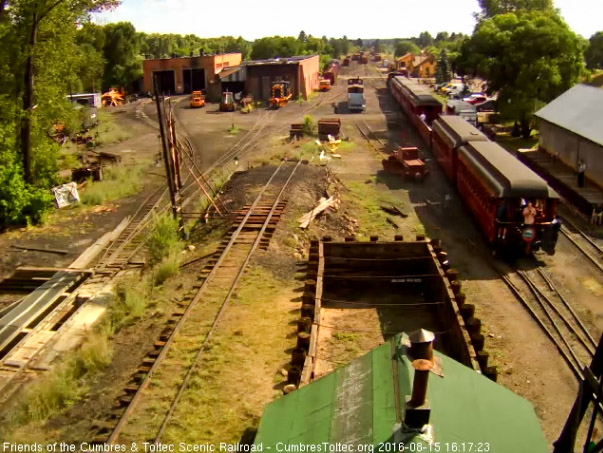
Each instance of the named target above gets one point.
<point>279,447</point>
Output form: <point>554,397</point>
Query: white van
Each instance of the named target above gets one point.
<point>455,90</point>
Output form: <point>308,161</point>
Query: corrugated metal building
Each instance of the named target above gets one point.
<point>363,404</point>
<point>302,73</point>
<point>184,75</point>
<point>571,129</point>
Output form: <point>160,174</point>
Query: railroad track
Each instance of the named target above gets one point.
<point>554,314</point>
<point>176,354</point>
<point>583,242</point>
<point>369,135</point>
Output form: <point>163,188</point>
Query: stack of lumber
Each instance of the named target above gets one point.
<point>26,279</point>
<point>329,126</point>
<point>323,205</point>
<point>296,131</point>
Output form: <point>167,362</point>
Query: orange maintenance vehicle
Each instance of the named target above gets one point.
<point>324,85</point>
<point>281,94</point>
<point>407,163</point>
<point>197,100</point>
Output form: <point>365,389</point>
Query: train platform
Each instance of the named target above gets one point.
<point>588,199</point>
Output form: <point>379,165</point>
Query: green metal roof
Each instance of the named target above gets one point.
<point>357,405</point>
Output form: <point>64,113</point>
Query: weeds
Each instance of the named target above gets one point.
<point>130,302</point>
<point>345,336</point>
<point>118,182</point>
<point>364,202</point>
<point>62,387</point>
<point>168,268</point>
<point>164,240</point>
<point>108,131</point>
<point>309,126</point>
<point>234,129</point>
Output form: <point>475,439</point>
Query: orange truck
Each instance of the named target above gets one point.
<point>197,100</point>
<point>407,163</point>
<point>324,85</point>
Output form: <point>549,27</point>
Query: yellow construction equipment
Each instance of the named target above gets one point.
<point>112,98</point>
<point>281,94</point>
<point>228,103</point>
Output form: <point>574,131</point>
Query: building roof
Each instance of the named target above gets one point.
<point>189,57</point>
<point>579,110</point>
<point>421,59</point>
<point>357,404</point>
<point>506,175</point>
<point>279,61</point>
<point>233,74</point>
<point>406,56</point>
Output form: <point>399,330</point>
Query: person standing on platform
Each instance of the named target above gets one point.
<point>581,170</point>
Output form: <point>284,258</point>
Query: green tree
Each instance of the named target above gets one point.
<point>442,73</point>
<point>40,64</point>
<point>90,40</point>
<point>528,58</point>
<point>442,36</point>
<point>406,46</point>
<point>594,52</point>
<point>122,54</point>
<point>491,8</point>
<point>345,45</point>
<point>28,19</point>
<point>424,40</point>
<point>358,43</point>
<point>302,36</point>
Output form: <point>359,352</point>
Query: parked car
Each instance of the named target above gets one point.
<point>476,98</point>
<point>451,88</point>
<point>486,106</point>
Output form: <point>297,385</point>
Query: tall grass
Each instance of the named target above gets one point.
<point>62,386</point>
<point>166,269</point>
<point>164,240</point>
<point>118,182</point>
<point>130,302</point>
<point>109,131</point>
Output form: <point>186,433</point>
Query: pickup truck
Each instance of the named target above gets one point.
<point>407,163</point>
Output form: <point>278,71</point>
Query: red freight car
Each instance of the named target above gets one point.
<point>331,72</point>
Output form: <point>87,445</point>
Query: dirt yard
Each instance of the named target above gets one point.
<point>258,333</point>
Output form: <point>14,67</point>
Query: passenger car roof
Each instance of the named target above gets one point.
<point>506,175</point>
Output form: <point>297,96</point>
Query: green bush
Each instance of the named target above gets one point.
<point>164,240</point>
<point>309,126</point>
<point>169,267</point>
<point>20,203</point>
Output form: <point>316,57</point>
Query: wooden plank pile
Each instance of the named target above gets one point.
<point>329,126</point>
<point>26,279</point>
<point>296,131</point>
<point>323,205</point>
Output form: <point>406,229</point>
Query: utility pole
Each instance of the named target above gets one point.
<point>166,153</point>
